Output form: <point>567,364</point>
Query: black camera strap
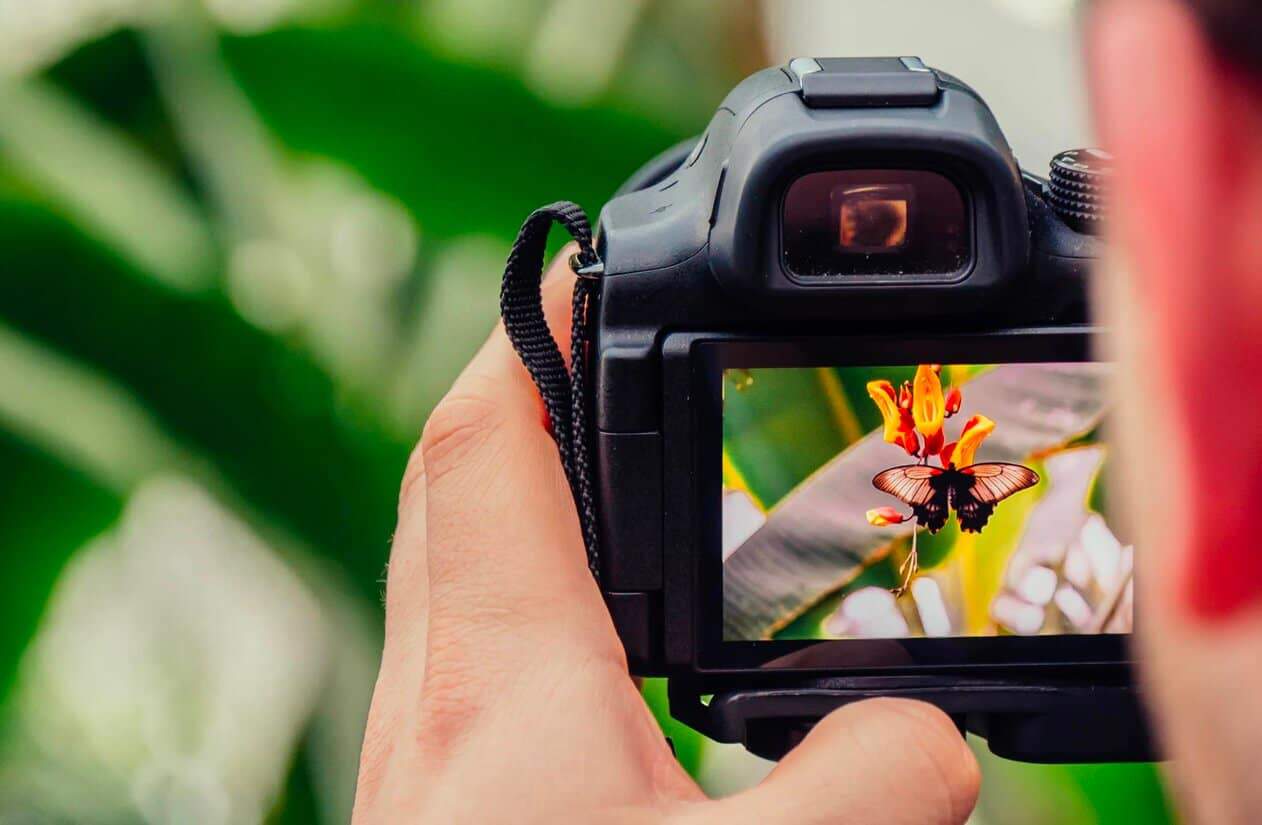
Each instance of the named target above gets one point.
<point>563,391</point>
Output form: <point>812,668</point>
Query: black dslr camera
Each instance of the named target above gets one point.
<point>845,425</point>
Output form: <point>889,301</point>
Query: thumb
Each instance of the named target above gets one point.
<point>887,761</point>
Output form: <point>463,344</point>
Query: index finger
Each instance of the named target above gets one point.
<point>507,568</point>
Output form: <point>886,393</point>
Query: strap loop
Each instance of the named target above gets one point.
<point>563,392</point>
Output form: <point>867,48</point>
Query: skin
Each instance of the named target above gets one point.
<point>503,692</point>
<point>1184,294</point>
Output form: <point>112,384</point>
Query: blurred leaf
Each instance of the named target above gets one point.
<point>466,148</point>
<point>111,77</point>
<point>1124,793</point>
<point>782,426</point>
<point>299,803</point>
<point>94,173</point>
<point>80,416</point>
<point>810,624</point>
<point>274,423</point>
<point>1015,793</point>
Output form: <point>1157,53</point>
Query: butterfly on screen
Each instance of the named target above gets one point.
<point>971,491</point>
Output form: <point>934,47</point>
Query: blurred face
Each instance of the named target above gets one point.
<point>1184,292</point>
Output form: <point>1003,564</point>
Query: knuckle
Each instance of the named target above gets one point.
<point>475,668</point>
<point>458,427</point>
<point>451,702</point>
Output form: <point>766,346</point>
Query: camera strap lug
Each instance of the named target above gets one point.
<point>592,272</point>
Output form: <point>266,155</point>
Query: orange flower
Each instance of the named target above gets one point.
<point>954,400</point>
<point>975,431</point>
<point>910,442</point>
<point>928,407</point>
<point>933,443</point>
<point>904,395</point>
<point>884,517</point>
<point>947,452</point>
<point>882,393</point>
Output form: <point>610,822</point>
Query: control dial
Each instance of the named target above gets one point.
<point>1078,188</point>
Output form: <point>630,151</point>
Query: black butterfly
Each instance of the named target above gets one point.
<point>972,491</point>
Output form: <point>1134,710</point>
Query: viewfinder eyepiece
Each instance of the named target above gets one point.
<point>864,222</point>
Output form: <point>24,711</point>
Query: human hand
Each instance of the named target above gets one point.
<point>503,693</point>
<point>1184,295</point>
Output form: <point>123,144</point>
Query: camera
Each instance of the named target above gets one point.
<point>848,421</point>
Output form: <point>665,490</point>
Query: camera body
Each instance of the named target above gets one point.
<point>836,213</point>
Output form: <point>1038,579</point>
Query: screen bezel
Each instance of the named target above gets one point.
<point>709,359</point>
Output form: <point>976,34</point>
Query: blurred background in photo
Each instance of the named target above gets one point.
<point>246,246</point>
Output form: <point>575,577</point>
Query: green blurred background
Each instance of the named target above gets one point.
<point>246,246</point>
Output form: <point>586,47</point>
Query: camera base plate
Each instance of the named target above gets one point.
<point>1027,722</point>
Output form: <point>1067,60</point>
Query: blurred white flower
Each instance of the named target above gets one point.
<point>870,613</point>
<point>172,676</point>
<point>1069,571</point>
<point>270,285</point>
<point>578,46</point>
<point>492,30</point>
<point>248,16</point>
<point>1038,585</point>
<point>931,606</point>
<point>1017,615</point>
<point>1073,606</point>
<point>1058,517</point>
<point>36,33</point>
<point>1077,567</point>
<point>373,241</point>
<point>458,313</point>
<point>1103,551</point>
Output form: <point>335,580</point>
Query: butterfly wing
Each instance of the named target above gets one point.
<point>976,489</point>
<point>920,486</point>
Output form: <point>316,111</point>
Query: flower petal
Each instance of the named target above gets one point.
<point>882,393</point>
<point>975,431</point>
<point>928,407</point>
<point>954,400</point>
<point>910,442</point>
<point>933,443</point>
